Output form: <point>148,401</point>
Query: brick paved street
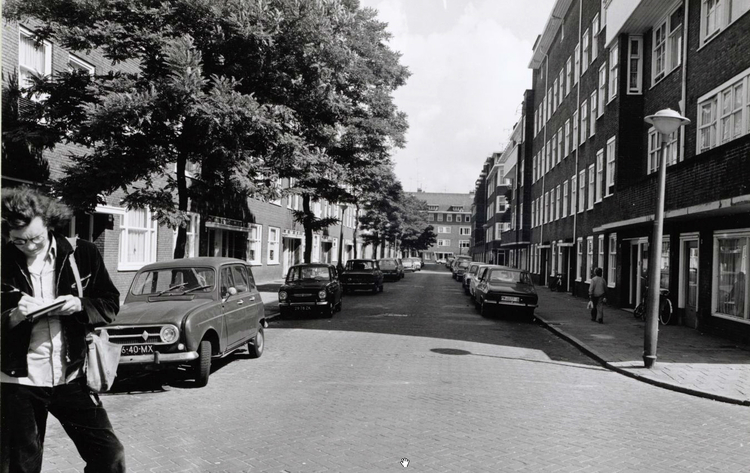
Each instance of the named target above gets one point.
<point>415,373</point>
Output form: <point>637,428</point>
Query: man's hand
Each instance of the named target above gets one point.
<point>27,305</point>
<point>72,305</point>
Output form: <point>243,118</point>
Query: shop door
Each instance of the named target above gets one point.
<point>689,289</point>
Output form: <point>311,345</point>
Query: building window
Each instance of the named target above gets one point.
<point>191,237</point>
<point>431,217</point>
<point>498,230</point>
<point>592,184</point>
<point>579,246</point>
<point>654,142</point>
<point>32,58</point>
<point>614,62</point>
<point>573,194</point>
<point>717,15</point>
<point>577,64</point>
<point>449,218</point>
<point>432,208</point>
<point>555,96</point>
<point>444,243</point>
<point>440,217</point>
<point>664,264</point>
<point>589,258</point>
<point>553,152</point>
<point>137,239</point>
<point>561,79</point>
<point>565,199</point>
<point>595,37</point>
<point>599,174</point>
<point>612,261</point>
<point>602,90</point>
<point>545,212</point>
<point>467,218</point>
<point>78,64</point>
<point>568,75</point>
<point>610,166</point>
<point>464,231</point>
<point>575,130</point>
<point>567,138</point>
<point>559,144</point>
<point>585,51</point>
<point>592,101</point>
<point>582,190</point>
<point>584,120</point>
<point>254,237</point>
<point>273,245</point>
<point>444,229</point>
<point>730,281</point>
<point>600,252</point>
<point>502,204</point>
<point>463,244</point>
<point>667,45</point>
<point>558,194</point>
<point>635,65</point>
<point>723,114</point>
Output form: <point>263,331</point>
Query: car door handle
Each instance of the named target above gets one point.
<point>251,298</point>
<point>240,302</point>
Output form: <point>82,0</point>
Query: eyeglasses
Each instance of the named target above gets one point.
<point>25,241</point>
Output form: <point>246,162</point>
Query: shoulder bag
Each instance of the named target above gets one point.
<point>102,356</point>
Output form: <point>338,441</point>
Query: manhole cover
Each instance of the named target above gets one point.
<point>390,315</point>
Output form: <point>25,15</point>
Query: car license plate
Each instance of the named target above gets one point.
<point>136,349</point>
<point>301,308</point>
<point>510,299</point>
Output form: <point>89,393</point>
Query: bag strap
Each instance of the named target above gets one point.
<point>76,274</point>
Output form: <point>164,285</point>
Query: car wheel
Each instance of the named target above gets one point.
<point>530,315</point>
<point>256,344</point>
<point>380,288</point>
<point>340,305</point>
<point>329,310</point>
<point>203,364</point>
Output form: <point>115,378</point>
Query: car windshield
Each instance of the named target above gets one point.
<point>463,264</point>
<point>317,273</point>
<point>171,281</point>
<point>359,265</point>
<point>507,276</point>
<point>387,264</point>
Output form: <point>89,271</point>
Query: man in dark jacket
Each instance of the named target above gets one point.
<point>43,358</point>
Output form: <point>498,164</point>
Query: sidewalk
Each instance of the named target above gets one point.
<point>687,360</point>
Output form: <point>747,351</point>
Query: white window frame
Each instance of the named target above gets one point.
<point>559,144</point>
<point>561,80</point>
<point>274,240</point>
<point>612,261</point>
<point>585,51</point>
<point>555,95</point>
<point>584,120</point>
<point>595,37</point>
<point>191,236</point>
<point>255,242</point>
<point>635,65</point>
<point>592,185</point>
<point>614,64</point>
<point>558,203</point>
<point>151,232</point>
<point>464,231</point>
<point>565,199</point>
<point>589,257</point>
<point>573,194</point>
<point>575,131</point>
<point>719,235</point>
<point>720,11</point>
<point>602,90</point>
<point>26,69</point>
<point>567,137</point>
<point>600,252</point>
<point>449,217</point>
<point>594,108</point>
<point>654,150</point>
<point>581,190</point>
<point>666,42</point>
<point>579,248</point>
<point>729,112</point>
<point>599,174</point>
<point>577,63</point>
<point>80,64</point>
<point>569,75</point>
<point>610,167</point>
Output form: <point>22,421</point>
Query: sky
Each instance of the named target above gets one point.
<point>469,63</point>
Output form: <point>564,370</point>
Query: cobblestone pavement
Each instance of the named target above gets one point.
<point>415,373</point>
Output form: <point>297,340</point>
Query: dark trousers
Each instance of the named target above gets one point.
<point>597,311</point>
<point>24,422</point>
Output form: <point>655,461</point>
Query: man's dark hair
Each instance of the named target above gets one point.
<point>598,271</point>
<point>22,204</point>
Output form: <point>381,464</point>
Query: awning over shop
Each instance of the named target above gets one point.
<point>227,224</point>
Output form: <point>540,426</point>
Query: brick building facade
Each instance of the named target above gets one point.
<point>599,68</point>
<point>450,215</point>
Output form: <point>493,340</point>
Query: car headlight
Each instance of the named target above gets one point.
<point>169,334</point>
<point>282,295</point>
<point>322,294</point>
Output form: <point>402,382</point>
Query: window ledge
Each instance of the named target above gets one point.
<point>131,266</point>
<point>272,264</point>
<point>612,286</point>
<point>733,318</point>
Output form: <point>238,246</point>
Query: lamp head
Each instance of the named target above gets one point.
<point>666,121</point>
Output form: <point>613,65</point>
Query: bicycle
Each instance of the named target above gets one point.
<point>665,307</point>
<point>556,283</point>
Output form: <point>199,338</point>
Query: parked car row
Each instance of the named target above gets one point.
<point>495,288</point>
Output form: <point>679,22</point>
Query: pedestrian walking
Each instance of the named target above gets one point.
<point>597,296</point>
<point>41,369</point>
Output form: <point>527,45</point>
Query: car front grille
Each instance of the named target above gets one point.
<point>135,335</point>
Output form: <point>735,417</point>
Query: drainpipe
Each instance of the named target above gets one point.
<point>544,154</point>
<point>578,100</point>
<point>683,96</point>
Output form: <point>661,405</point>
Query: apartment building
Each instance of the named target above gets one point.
<point>599,68</point>
<point>263,233</point>
<point>450,216</point>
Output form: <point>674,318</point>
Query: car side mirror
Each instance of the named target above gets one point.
<point>230,292</point>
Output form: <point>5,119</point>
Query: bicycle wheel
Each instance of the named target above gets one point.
<point>665,314</point>
<point>640,311</point>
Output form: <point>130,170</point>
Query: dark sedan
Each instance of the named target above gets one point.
<point>311,288</point>
<point>391,269</point>
<point>362,274</point>
<point>506,289</point>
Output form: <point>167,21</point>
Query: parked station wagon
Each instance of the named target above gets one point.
<point>362,274</point>
<point>188,312</point>
<point>309,288</point>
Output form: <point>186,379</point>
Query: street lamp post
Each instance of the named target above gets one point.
<point>666,122</point>
<point>341,234</point>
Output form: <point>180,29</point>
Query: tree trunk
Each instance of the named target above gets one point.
<point>375,244</point>
<point>308,229</point>
<point>182,205</point>
<point>356,224</point>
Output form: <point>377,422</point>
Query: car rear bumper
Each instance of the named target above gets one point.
<point>301,304</point>
<point>512,304</point>
<point>157,358</point>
